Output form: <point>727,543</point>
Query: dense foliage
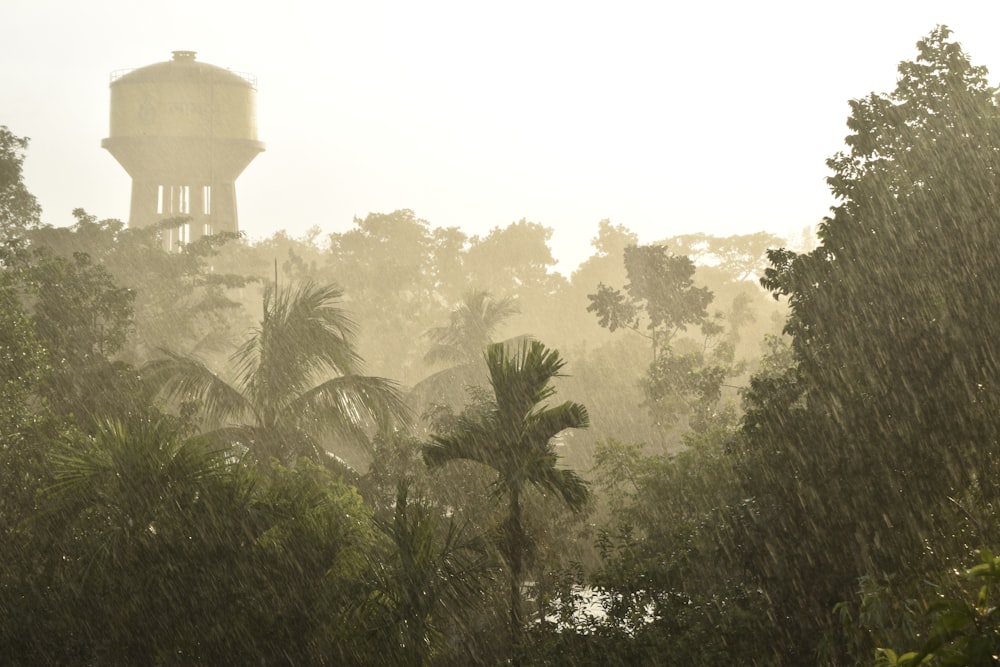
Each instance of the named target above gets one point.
<point>740,496</point>
<point>878,442</point>
<point>280,509</point>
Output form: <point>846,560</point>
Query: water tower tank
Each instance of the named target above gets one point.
<point>184,131</point>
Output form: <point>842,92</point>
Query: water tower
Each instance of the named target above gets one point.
<point>184,131</point>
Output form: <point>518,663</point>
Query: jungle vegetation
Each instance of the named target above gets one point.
<point>400,444</point>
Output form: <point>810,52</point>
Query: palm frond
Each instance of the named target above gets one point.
<point>521,377</point>
<point>283,441</point>
<point>81,471</point>
<point>131,463</point>
<point>447,553</point>
<point>185,378</point>
<point>471,327</point>
<point>302,335</point>
<point>480,313</point>
<point>350,403</point>
<point>442,350</point>
<point>543,425</point>
<point>565,483</point>
<point>235,440</point>
<point>471,441</point>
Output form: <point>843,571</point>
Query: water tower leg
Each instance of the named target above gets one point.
<point>143,211</point>
<point>224,208</point>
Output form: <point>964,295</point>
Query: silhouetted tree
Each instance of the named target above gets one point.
<point>859,457</point>
<point>512,434</point>
<point>660,296</point>
<point>471,328</point>
<point>297,381</point>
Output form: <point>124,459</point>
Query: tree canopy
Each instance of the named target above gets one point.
<point>513,434</point>
<point>882,433</point>
<point>660,296</point>
<point>297,381</point>
<point>19,210</point>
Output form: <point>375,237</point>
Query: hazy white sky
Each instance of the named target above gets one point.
<point>665,117</point>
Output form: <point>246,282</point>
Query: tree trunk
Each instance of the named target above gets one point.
<point>515,555</point>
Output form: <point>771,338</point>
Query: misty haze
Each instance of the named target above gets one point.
<point>408,443</point>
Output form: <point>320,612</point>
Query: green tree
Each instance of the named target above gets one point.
<point>19,210</point>
<point>80,311</point>
<point>152,547</point>
<point>663,587</point>
<point>179,299</point>
<point>297,381</point>
<point>684,386</point>
<point>605,265</point>
<point>82,318</point>
<point>399,274</point>
<point>22,470</point>
<point>659,294</point>
<point>964,627</point>
<point>432,573</point>
<point>512,434</point>
<point>511,258</point>
<point>857,459</point>
<point>516,262</point>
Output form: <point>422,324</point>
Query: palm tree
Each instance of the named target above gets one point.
<point>161,545</point>
<point>134,471</point>
<point>470,329</point>
<point>513,435</point>
<point>141,520</point>
<point>297,381</point>
<point>433,573</point>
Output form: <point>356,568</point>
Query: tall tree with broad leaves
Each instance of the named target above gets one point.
<point>398,272</point>
<point>875,452</point>
<point>82,318</point>
<point>512,434</point>
<point>660,296</point>
<point>19,210</point>
<point>297,381</point>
